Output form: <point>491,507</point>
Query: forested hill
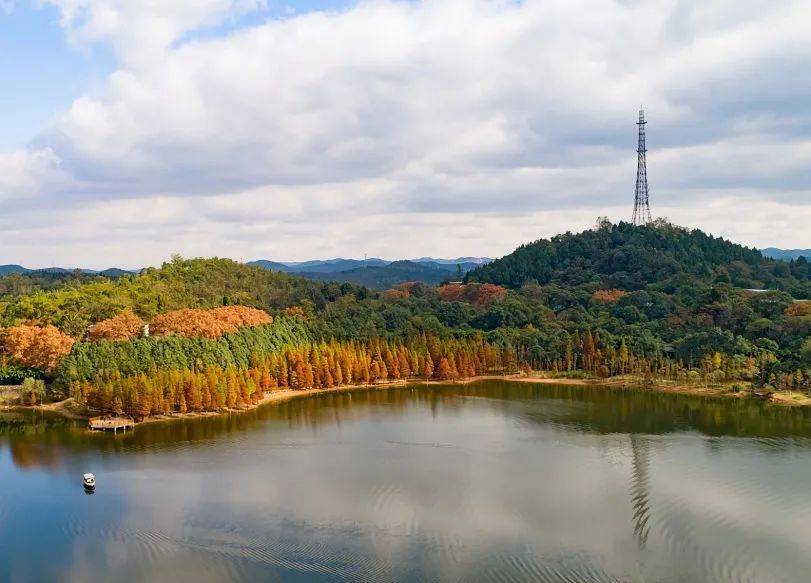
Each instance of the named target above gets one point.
<point>629,257</point>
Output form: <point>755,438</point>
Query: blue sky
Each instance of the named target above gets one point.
<point>297,130</point>
<point>41,74</point>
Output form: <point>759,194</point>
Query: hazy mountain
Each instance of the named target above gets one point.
<point>273,265</point>
<point>334,265</point>
<point>341,264</point>
<point>476,260</point>
<point>785,254</point>
<point>375,272</point>
<point>62,271</point>
<point>9,269</point>
<point>389,275</point>
<point>317,265</point>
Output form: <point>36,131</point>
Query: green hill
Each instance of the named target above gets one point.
<point>629,257</point>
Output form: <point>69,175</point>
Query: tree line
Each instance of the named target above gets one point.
<point>214,386</point>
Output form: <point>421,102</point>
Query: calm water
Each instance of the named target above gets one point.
<point>494,481</point>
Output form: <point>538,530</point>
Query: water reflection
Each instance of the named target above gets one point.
<point>640,496</point>
<point>493,481</point>
<point>42,438</point>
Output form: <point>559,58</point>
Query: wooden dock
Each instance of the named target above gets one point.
<point>110,424</point>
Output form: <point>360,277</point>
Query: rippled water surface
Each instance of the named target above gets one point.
<point>494,481</point>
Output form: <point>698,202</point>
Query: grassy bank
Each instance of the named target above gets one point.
<point>732,389</point>
<point>9,395</point>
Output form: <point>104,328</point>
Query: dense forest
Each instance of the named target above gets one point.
<point>632,258</point>
<point>655,301</point>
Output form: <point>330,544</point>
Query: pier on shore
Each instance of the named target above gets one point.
<point>110,424</point>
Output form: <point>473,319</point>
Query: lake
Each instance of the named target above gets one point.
<point>494,481</point>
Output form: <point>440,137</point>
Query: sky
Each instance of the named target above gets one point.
<point>131,129</point>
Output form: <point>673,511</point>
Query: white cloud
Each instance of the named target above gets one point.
<point>143,31</point>
<point>427,114</point>
<point>302,222</point>
<point>28,173</point>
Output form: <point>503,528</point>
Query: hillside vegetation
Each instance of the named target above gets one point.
<point>655,301</point>
<point>634,257</point>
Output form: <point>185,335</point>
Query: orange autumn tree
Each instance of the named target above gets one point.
<point>124,326</point>
<point>608,296</point>
<point>478,294</point>
<point>37,346</point>
<point>452,292</point>
<point>211,323</point>
<point>487,293</point>
<point>394,293</point>
<point>798,309</point>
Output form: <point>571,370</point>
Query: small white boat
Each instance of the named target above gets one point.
<point>89,480</point>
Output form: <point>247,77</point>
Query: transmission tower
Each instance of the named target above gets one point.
<point>641,201</point>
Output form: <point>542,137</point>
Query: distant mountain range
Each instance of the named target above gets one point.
<point>785,254</point>
<point>111,272</point>
<point>318,266</point>
<point>377,273</point>
<point>339,264</point>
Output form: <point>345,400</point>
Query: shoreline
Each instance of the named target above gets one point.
<point>780,398</point>
<point>68,408</point>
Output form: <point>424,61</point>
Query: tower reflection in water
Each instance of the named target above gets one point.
<point>639,488</point>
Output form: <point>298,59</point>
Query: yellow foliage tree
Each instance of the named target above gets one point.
<point>124,326</point>
<point>37,346</point>
<point>211,323</point>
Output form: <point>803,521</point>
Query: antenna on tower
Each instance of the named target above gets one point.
<point>641,197</point>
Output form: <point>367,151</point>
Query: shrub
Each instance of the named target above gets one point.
<point>798,309</point>
<point>32,391</point>
<point>608,296</point>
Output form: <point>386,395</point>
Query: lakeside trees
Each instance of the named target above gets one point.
<point>212,386</point>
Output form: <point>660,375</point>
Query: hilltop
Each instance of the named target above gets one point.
<point>630,258</point>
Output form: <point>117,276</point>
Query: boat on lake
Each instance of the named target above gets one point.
<point>89,481</point>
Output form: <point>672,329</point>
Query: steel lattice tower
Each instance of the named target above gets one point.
<point>641,200</point>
